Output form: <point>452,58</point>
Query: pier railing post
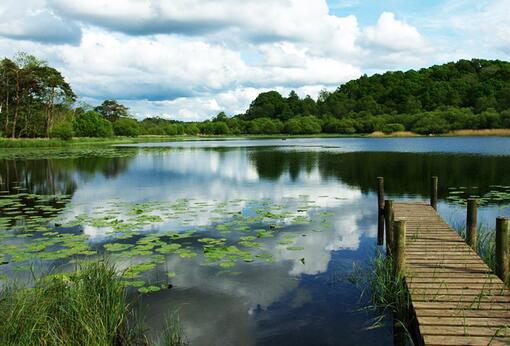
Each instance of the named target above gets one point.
<point>389,218</point>
<point>471,223</point>
<point>399,228</point>
<point>502,269</point>
<point>433,192</point>
<point>380,210</point>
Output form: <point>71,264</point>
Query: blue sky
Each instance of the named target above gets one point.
<point>190,59</point>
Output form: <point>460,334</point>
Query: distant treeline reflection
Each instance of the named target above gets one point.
<point>404,173</point>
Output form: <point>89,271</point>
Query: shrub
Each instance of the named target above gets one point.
<point>92,124</point>
<point>389,128</point>
<point>431,125</point>
<point>62,130</point>
<point>126,127</point>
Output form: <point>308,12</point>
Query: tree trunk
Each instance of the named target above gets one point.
<point>18,96</point>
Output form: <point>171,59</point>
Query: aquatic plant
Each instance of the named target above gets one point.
<point>485,242</point>
<point>387,293</point>
<point>172,334</point>
<point>85,307</point>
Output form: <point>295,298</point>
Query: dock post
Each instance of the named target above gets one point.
<point>389,216</point>
<point>399,229</point>
<point>433,192</point>
<point>502,269</point>
<point>471,223</point>
<point>380,210</point>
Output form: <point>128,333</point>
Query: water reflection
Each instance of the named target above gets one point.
<point>301,298</point>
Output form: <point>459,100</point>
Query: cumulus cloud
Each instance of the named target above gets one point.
<point>190,59</point>
<point>392,34</point>
<point>31,21</point>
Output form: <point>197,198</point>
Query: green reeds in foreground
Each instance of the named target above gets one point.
<point>387,293</point>
<point>86,307</point>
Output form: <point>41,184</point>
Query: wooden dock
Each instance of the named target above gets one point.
<point>456,298</point>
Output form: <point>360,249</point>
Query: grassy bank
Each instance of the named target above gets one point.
<point>86,307</point>
<point>76,142</point>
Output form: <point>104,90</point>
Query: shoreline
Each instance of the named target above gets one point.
<point>20,143</point>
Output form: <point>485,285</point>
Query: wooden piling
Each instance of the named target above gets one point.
<point>502,269</point>
<point>399,230</point>
<point>380,210</point>
<point>433,192</point>
<point>389,218</point>
<point>471,223</point>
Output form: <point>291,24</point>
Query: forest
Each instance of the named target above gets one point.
<point>36,101</point>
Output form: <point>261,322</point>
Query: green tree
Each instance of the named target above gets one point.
<point>63,130</point>
<point>92,124</point>
<point>112,110</point>
<point>126,127</point>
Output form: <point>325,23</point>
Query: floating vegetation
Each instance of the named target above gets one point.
<point>497,195</point>
<point>221,234</point>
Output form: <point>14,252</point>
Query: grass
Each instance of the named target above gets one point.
<point>387,293</point>
<point>56,143</point>
<point>85,307</point>
<point>76,142</point>
<point>485,243</point>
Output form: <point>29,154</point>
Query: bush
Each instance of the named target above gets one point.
<point>303,125</point>
<point>92,124</point>
<point>126,127</point>
<point>62,130</point>
<point>192,129</point>
<point>431,125</point>
<point>389,128</point>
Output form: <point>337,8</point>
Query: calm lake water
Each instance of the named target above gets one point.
<point>256,237</point>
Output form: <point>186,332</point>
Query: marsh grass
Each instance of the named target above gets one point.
<point>387,294</point>
<point>85,307</point>
<point>485,243</point>
<point>172,334</point>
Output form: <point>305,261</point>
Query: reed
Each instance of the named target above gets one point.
<point>85,307</point>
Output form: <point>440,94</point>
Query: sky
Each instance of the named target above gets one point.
<point>191,59</point>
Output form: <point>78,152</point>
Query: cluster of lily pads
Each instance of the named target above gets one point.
<point>497,195</point>
<point>221,234</point>
<point>67,153</point>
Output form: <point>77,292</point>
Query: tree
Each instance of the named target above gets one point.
<point>32,94</point>
<point>63,130</point>
<point>92,124</point>
<point>112,110</point>
<point>126,127</point>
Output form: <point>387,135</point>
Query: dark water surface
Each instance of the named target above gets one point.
<point>266,230</point>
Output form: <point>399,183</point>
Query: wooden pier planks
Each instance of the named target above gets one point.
<point>456,297</point>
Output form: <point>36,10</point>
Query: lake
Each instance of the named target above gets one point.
<point>251,241</point>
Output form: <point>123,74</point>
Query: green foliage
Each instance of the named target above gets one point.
<point>62,130</point>
<point>468,94</point>
<point>431,124</point>
<point>88,307</point>
<point>112,110</point>
<point>126,127</point>
<point>303,125</point>
<point>92,124</point>
<point>32,96</point>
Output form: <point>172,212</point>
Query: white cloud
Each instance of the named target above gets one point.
<point>192,58</point>
<point>393,35</point>
<point>31,20</point>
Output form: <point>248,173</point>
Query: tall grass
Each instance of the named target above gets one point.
<point>172,334</point>
<point>387,293</point>
<point>86,307</point>
<point>485,242</point>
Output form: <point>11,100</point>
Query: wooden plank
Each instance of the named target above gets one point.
<point>456,298</point>
<point>448,340</point>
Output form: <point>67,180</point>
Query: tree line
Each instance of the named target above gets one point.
<point>36,101</point>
